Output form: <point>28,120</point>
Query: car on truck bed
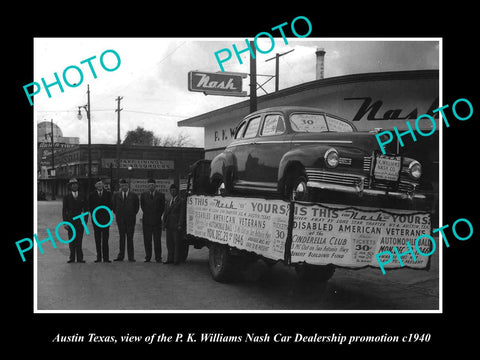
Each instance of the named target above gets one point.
<point>308,154</point>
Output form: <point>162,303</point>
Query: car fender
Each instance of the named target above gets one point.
<point>300,157</point>
<point>220,164</point>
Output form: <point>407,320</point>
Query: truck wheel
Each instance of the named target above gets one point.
<point>316,273</point>
<point>221,263</point>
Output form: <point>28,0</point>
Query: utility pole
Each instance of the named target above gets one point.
<point>253,79</point>
<point>118,137</point>
<point>79,117</point>
<point>53,161</point>
<point>89,141</point>
<point>277,66</point>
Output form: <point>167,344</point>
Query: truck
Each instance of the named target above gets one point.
<point>225,262</point>
<point>304,234</point>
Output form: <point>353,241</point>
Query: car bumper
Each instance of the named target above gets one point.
<point>359,190</point>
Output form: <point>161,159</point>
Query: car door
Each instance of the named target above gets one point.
<point>272,143</point>
<point>243,151</point>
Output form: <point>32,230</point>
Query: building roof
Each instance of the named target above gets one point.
<point>243,108</point>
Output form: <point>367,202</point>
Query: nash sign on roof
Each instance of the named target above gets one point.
<point>226,84</point>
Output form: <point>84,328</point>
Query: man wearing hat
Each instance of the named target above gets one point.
<point>74,204</point>
<point>101,197</point>
<point>125,206</point>
<point>152,203</point>
<point>174,223</point>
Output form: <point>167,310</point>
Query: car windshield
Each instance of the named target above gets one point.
<point>308,122</point>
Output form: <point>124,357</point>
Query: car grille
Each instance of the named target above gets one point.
<point>331,177</point>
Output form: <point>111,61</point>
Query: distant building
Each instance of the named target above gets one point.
<point>166,165</point>
<point>44,146</point>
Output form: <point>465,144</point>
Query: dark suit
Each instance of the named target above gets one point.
<point>152,207</point>
<point>174,222</point>
<point>125,213</point>
<point>102,217</point>
<point>71,208</point>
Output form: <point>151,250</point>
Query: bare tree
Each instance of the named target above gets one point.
<point>140,136</point>
<point>182,140</point>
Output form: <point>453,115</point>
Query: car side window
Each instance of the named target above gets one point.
<point>303,122</point>
<point>338,125</point>
<point>252,128</point>
<point>273,124</point>
<point>241,127</point>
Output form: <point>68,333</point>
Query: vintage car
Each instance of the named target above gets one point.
<point>307,154</point>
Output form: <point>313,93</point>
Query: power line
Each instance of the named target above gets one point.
<point>153,113</point>
<point>52,111</point>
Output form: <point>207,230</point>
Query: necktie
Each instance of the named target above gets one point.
<point>75,194</point>
<point>151,195</point>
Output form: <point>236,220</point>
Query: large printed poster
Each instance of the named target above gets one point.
<point>352,236</point>
<point>248,224</point>
<point>321,234</point>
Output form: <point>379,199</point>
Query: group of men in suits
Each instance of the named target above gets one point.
<point>125,204</point>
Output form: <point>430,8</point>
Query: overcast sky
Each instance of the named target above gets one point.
<point>152,77</point>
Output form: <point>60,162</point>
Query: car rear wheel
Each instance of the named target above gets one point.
<point>222,185</point>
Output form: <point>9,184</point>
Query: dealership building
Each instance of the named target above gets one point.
<point>372,101</point>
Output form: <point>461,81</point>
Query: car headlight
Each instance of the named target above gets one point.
<point>415,169</point>
<point>331,158</point>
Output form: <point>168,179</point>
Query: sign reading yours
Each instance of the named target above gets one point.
<point>321,235</point>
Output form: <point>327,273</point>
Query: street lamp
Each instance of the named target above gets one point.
<point>52,172</point>
<point>130,169</point>
<point>79,117</point>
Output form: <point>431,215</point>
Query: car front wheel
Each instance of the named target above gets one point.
<point>298,189</point>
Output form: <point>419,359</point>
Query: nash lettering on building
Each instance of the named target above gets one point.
<point>226,84</point>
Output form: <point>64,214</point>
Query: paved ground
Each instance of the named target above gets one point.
<point>189,286</point>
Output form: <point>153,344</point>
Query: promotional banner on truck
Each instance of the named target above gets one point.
<point>320,234</point>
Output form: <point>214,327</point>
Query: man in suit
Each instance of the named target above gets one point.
<point>152,203</point>
<point>74,204</point>
<point>173,222</point>
<point>125,206</point>
<point>101,197</point>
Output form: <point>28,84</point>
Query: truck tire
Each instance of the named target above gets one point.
<point>314,273</point>
<point>221,262</point>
